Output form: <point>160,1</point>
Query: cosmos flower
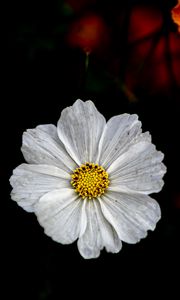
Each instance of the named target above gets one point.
<point>89,180</point>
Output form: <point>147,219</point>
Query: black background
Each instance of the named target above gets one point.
<point>44,75</point>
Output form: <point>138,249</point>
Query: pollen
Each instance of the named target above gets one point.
<point>90,180</point>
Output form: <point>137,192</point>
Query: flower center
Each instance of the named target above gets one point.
<point>90,180</point>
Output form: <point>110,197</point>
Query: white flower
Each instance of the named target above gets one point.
<point>89,180</point>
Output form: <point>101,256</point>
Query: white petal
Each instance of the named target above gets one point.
<point>80,128</point>
<point>118,135</point>
<point>42,146</point>
<point>138,170</point>
<point>110,239</point>
<point>130,215</point>
<point>90,244</point>
<point>62,215</point>
<point>30,182</point>
<point>99,233</point>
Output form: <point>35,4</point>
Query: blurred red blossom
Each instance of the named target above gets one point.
<point>144,21</point>
<point>88,33</point>
<point>153,57</point>
<point>176,15</point>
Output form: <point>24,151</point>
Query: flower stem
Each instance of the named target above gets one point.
<point>87,61</point>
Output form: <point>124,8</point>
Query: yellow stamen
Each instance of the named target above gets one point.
<point>90,180</point>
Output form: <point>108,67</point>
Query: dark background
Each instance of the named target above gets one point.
<point>44,73</point>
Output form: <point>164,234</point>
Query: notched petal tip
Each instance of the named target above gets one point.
<point>87,252</point>
<point>79,102</point>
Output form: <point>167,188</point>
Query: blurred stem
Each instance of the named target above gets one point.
<point>85,66</point>
<point>123,87</point>
<point>87,61</point>
<point>128,93</point>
